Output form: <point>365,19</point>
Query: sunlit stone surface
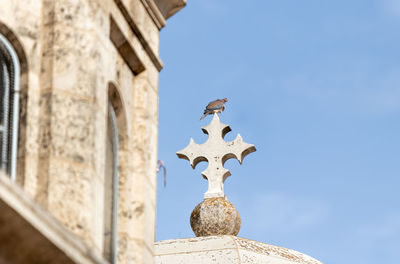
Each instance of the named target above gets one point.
<point>215,216</point>
<point>225,250</point>
<point>216,151</point>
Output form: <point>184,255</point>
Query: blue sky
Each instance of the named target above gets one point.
<point>315,86</point>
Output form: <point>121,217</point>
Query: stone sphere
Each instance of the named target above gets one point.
<point>215,216</point>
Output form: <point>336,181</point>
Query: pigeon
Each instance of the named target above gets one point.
<point>216,106</point>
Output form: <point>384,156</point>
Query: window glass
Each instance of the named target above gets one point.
<point>9,109</point>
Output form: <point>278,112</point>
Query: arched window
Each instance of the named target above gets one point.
<point>9,107</point>
<point>111,187</point>
<point>116,147</point>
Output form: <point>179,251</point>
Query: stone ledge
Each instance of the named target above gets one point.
<point>225,250</point>
<point>138,33</point>
<point>169,7</point>
<point>154,13</point>
<point>29,234</point>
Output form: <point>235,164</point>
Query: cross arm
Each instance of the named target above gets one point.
<point>191,153</point>
<point>238,149</point>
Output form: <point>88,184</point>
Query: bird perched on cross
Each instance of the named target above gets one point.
<point>213,107</point>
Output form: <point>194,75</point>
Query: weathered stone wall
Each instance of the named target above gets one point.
<point>68,63</point>
<point>29,234</point>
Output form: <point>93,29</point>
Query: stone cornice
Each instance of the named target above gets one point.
<point>153,57</point>
<point>169,7</point>
<point>154,13</point>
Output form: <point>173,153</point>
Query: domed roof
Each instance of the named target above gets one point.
<point>226,250</point>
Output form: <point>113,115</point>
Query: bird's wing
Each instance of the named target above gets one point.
<point>165,176</point>
<point>214,105</point>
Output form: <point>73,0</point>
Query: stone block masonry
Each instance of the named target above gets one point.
<point>76,57</point>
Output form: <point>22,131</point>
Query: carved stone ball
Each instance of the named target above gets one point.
<point>215,216</point>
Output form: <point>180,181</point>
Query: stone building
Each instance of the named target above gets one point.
<point>78,148</point>
<point>79,118</point>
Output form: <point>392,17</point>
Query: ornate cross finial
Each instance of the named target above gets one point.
<point>216,151</point>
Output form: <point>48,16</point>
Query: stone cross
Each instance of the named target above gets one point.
<point>216,151</point>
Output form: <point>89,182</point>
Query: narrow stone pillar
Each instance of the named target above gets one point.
<point>72,118</point>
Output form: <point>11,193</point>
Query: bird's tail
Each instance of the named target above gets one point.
<point>205,114</point>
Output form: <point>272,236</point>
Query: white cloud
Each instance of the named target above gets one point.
<point>386,228</point>
<point>391,7</point>
<point>359,90</point>
<point>386,94</point>
<point>284,212</point>
<point>380,237</point>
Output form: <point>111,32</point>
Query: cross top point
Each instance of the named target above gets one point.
<point>216,151</point>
